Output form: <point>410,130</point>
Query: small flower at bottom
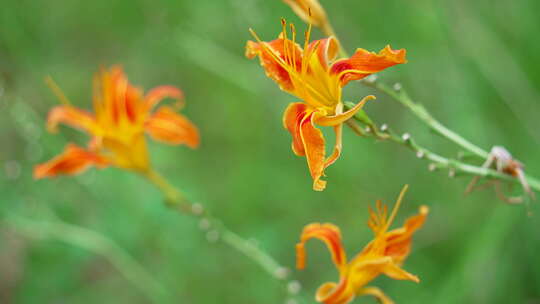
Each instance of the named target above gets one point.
<point>314,76</point>
<point>383,255</point>
<point>122,115</point>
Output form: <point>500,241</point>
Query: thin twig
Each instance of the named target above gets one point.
<point>420,112</point>
<point>216,230</point>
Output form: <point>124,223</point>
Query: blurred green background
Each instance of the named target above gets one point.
<point>474,64</point>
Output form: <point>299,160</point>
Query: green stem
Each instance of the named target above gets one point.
<point>402,97</point>
<point>439,161</point>
<point>176,200</point>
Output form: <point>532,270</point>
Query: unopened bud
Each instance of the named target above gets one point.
<point>406,136</point>
<point>420,154</point>
<point>397,86</point>
<point>311,11</point>
<point>384,127</point>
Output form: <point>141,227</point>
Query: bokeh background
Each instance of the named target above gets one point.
<point>474,64</point>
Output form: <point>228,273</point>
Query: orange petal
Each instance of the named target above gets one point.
<point>327,50</point>
<point>73,117</point>
<point>293,116</point>
<point>73,160</point>
<point>170,127</point>
<point>330,235</point>
<point>364,63</point>
<point>275,61</point>
<point>313,141</point>
<point>399,240</point>
<point>115,99</point>
<point>341,118</point>
<point>155,95</point>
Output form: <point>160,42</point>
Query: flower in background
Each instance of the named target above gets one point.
<point>122,115</point>
<point>314,76</point>
<point>383,255</point>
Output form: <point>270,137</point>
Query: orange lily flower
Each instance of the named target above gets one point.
<point>383,255</point>
<point>314,76</point>
<point>122,115</point>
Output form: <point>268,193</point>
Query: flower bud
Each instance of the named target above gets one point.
<point>310,11</point>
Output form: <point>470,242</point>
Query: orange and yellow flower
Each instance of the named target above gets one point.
<point>314,76</point>
<point>122,115</point>
<point>383,255</point>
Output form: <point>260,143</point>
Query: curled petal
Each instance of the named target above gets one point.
<point>332,293</point>
<point>73,117</point>
<point>397,273</point>
<point>337,147</point>
<point>364,63</point>
<point>330,235</point>
<point>73,160</point>
<point>293,116</point>
<point>170,127</point>
<point>341,118</point>
<point>313,141</point>
<point>158,93</point>
<point>377,293</point>
<point>399,240</point>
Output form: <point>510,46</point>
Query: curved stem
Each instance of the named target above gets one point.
<point>402,97</point>
<point>176,200</point>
